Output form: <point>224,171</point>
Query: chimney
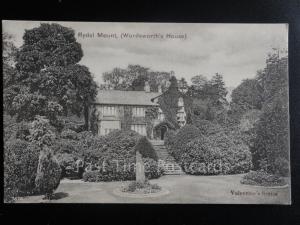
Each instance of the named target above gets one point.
<point>147,87</point>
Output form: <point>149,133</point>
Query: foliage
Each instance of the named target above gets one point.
<point>41,132</point>
<point>20,166</point>
<point>183,136</point>
<point>207,98</point>
<point>170,139</point>
<point>142,188</point>
<point>271,139</point>
<point>247,96</point>
<point>17,131</point>
<point>48,172</point>
<point>8,56</point>
<point>133,78</point>
<point>207,127</point>
<point>168,102</point>
<point>69,134</point>
<point>210,156</point>
<point>122,170</point>
<point>261,178</point>
<point>49,82</point>
<point>146,149</point>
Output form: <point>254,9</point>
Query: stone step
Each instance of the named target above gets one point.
<point>165,159</point>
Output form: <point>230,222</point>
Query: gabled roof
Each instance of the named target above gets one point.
<point>116,97</point>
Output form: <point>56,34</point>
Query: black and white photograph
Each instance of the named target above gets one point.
<point>152,113</point>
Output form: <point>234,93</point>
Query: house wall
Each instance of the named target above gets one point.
<point>126,117</point>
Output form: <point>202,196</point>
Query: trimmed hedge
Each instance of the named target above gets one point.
<point>210,154</point>
<point>113,152</point>
<point>120,171</point>
<point>184,135</point>
<point>215,155</point>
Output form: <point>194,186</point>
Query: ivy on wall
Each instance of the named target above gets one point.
<point>151,114</point>
<point>94,120</point>
<point>127,120</point>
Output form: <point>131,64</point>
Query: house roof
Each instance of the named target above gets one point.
<point>126,97</point>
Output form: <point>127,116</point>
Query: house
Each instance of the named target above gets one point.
<point>134,110</point>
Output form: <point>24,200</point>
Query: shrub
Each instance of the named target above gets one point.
<point>169,138</point>
<point>184,135</point>
<point>262,178</point>
<point>20,166</point>
<point>282,166</point>
<point>69,134</point>
<point>48,172</point>
<point>123,170</point>
<point>207,127</point>
<point>17,131</point>
<point>208,156</point>
<point>146,149</point>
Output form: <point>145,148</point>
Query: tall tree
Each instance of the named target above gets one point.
<point>49,80</point>
<point>133,78</point>
<point>271,143</point>
<point>247,96</point>
<point>199,81</point>
<point>169,102</point>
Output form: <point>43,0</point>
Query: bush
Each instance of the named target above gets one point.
<point>262,178</point>
<point>69,134</point>
<point>169,139</point>
<point>123,170</point>
<point>184,135</point>
<point>207,127</point>
<point>282,167</point>
<point>17,131</point>
<point>146,149</point>
<point>48,172</point>
<point>20,166</point>
<point>209,156</point>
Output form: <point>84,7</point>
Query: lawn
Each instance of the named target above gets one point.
<point>182,189</point>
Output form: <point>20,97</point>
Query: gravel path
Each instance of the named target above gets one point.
<point>182,189</point>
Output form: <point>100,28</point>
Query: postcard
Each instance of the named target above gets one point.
<point>114,112</point>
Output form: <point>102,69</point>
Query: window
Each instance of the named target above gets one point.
<point>139,128</point>
<point>138,111</point>
<point>109,111</point>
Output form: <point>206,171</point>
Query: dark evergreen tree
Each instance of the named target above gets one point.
<point>49,81</point>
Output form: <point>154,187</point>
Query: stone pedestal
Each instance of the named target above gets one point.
<point>139,169</point>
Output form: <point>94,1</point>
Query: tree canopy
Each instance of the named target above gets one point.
<point>49,81</point>
<point>133,78</point>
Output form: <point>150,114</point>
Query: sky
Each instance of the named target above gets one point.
<point>236,51</point>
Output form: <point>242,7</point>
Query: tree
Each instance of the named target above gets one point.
<point>48,171</point>
<point>182,85</point>
<point>199,81</point>
<point>271,144</point>
<point>49,81</point>
<point>216,89</point>
<point>133,78</point>
<point>8,57</point>
<point>169,102</point>
<point>247,96</point>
